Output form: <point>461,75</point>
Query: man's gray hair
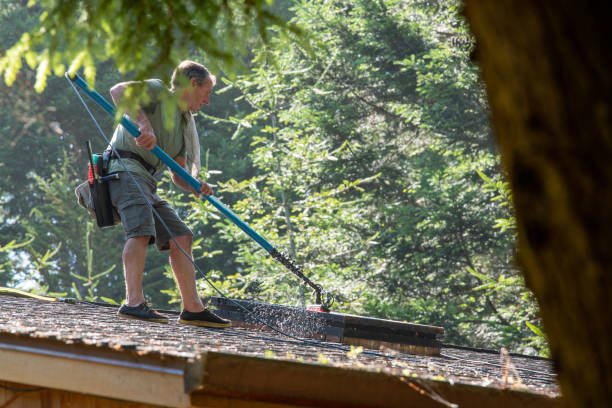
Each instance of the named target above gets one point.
<point>187,70</point>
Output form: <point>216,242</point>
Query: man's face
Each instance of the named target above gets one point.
<point>195,96</point>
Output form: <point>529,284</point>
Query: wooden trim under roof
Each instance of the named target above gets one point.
<point>241,381</point>
<point>112,377</point>
<point>219,379</point>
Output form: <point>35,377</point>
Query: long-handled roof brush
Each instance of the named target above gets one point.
<point>132,128</point>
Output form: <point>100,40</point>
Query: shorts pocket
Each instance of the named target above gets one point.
<point>136,218</point>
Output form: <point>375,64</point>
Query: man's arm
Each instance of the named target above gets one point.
<point>147,138</point>
<point>176,179</point>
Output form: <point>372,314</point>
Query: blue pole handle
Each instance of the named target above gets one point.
<point>170,162</point>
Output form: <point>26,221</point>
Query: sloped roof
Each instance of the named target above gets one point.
<point>98,328</point>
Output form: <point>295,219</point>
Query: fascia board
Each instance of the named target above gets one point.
<point>94,375</point>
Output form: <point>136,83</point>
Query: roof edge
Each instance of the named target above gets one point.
<point>231,378</point>
<point>107,376</point>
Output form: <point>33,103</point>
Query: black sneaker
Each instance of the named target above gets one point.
<point>205,318</point>
<point>142,312</point>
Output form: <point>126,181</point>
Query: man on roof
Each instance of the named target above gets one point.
<point>146,218</point>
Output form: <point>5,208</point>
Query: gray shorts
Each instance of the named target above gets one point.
<point>136,215</point>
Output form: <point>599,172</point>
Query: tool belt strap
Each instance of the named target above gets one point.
<point>126,154</point>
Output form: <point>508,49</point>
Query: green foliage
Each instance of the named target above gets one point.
<point>503,197</point>
<point>524,309</point>
<point>366,156</point>
<point>67,253</point>
<point>90,281</point>
<point>143,38</point>
<point>7,275</point>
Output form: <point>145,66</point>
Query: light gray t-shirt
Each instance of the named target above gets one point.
<point>170,140</point>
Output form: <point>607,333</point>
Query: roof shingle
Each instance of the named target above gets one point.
<point>99,326</point>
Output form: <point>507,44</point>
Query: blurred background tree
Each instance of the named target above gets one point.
<point>352,134</point>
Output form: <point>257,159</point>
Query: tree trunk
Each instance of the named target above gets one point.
<point>548,76</point>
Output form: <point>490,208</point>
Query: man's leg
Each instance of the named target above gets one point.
<point>134,255</point>
<point>139,227</point>
<point>185,273</point>
<point>194,312</point>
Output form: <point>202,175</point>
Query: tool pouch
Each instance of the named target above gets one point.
<point>94,194</point>
<point>102,203</point>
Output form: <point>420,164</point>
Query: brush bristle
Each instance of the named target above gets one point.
<point>317,308</point>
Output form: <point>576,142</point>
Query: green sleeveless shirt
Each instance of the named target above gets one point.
<point>169,140</point>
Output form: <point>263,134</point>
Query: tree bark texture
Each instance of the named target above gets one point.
<point>546,66</point>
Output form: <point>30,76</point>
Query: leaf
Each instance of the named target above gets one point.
<point>484,177</point>
<point>354,352</point>
<point>477,274</point>
<point>83,278</point>
<point>535,329</point>
<point>320,92</point>
<point>76,292</point>
<point>41,74</point>
<point>103,273</point>
<point>77,62</point>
